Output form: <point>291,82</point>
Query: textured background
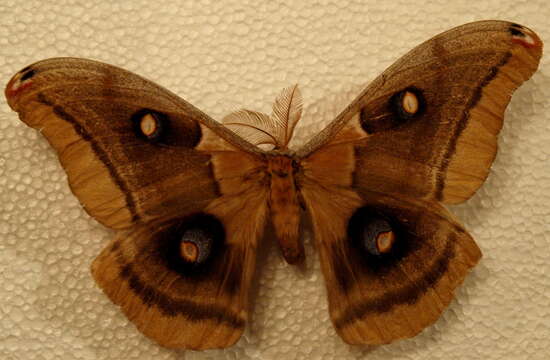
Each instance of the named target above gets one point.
<point>223,55</point>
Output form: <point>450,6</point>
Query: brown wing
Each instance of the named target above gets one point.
<point>424,131</point>
<point>95,116</point>
<point>428,126</point>
<point>187,193</point>
<point>381,289</point>
<point>182,304</point>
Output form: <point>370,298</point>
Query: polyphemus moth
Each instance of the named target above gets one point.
<point>190,197</point>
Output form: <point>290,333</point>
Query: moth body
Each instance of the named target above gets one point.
<point>284,206</point>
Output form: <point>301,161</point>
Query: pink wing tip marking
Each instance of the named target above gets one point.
<point>19,82</point>
<point>524,37</point>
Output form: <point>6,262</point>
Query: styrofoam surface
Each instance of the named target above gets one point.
<point>223,55</point>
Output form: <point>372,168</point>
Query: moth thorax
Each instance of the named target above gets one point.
<point>195,246</point>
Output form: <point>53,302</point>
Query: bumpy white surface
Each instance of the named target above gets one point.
<point>223,55</point>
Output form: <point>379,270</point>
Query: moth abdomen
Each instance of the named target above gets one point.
<point>285,206</point>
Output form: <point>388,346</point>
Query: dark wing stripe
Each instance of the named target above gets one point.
<point>406,294</point>
<point>168,305</point>
<point>98,150</point>
<point>463,123</point>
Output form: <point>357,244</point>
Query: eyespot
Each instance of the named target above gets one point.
<point>190,245</point>
<point>195,245</point>
<point>407,103</point>
<point>385,240</point>
<point>150,125</point>
<point>171,129</point>
<point>372,233</point>
<point>377,236</point>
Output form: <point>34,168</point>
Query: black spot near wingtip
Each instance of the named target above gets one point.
<point>19,82</point>
<point>28,74</point>
<point>515,31</point>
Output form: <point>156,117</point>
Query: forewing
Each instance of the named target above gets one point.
<point>97,117</point>
<point>427,127</point>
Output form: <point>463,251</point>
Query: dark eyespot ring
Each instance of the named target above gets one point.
<point>29,73</point>
<point>516,32</point>
<point>407,103</point>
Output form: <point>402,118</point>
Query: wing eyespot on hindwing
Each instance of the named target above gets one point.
<point>372,233</point>
<point>376,242</point>
<point>189,245</point>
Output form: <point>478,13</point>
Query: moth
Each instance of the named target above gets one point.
<point>189,197</point>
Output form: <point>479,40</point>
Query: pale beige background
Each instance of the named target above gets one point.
<point>222,55</point>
